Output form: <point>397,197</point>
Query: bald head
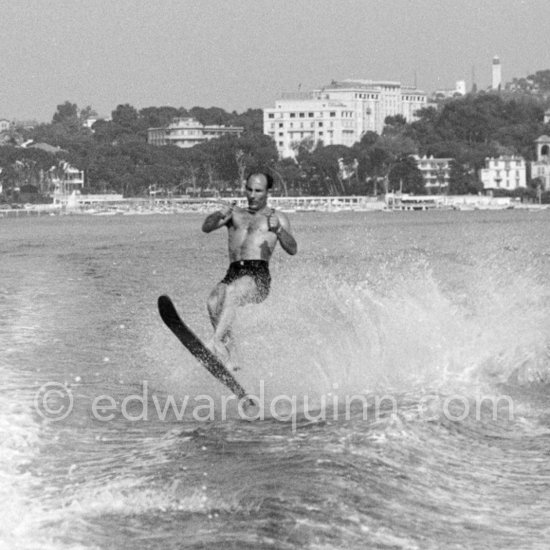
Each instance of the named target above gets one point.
<point>256,189</point>
<point>263,176</point>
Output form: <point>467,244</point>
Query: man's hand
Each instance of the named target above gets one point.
<point>278,223</point>
<point>227,210</point>
<point>274,223</point>
<point>219,218</point>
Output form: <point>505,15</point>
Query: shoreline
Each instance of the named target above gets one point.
<point>392,203</point>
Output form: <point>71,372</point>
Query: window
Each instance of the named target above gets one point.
<point>320,124</point>
<point>302,115</point>
<point>333,113</point>
<point>271,115</point>
<point>280,143</point>
<point>281,125</point>
<point>292,115</point>
<point>310,115</point>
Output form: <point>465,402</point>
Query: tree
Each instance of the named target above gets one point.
<point>404,175</point>
<point>86,113</point>
<point>289,173</point>
<point>322,167</point>
<point>157,117</point>
<point>394,124</point>
<point>368,139</point>
<point>66,127</point>
<point>67,113</point>
<point>462,180</point>
<point>212,115</point>
<point>251,120</point>
<point>125,116</point>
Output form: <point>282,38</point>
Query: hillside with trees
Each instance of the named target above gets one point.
<point>116,157</point>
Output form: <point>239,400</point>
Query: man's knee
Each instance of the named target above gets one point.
<point>241,291</point>
<point>216,298</point>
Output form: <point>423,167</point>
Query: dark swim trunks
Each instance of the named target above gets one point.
<point>257,269</point>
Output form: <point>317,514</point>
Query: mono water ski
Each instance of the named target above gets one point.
<point>195,346</point>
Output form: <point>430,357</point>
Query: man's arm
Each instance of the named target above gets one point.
<point>217,219</point>
<point>280,225</point>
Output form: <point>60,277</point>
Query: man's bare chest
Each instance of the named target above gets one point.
<point>251,223</point>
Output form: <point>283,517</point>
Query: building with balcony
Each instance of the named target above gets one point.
<point>435,172</point>
<point>505,172</point>
<point>187,132</point>
<point>540,168</point>
<point>338,114</point>
<point>5,125</point>
<point>66,179</point>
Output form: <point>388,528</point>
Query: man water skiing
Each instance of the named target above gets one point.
<point>252,236</point>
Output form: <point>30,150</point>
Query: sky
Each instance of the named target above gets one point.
<point>240,54</point>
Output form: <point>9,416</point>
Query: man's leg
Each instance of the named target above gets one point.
<point>222,308</point>
<point>215,302</point>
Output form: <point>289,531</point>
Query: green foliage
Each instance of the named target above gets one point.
<point>462,180</point>
<point>405,176</point>
<point>535,84</point>
<point>116,156</point>
<point>67,113</point>
<point>24,167</point>
<point>156,117</point>
<point>394,124</point>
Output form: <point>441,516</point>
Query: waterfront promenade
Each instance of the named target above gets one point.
<point>182,205</point>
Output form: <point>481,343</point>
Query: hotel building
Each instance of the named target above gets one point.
<point>436,172</point>
<point>504,172</point>
<point>186,132</point>
<point>338,114</point>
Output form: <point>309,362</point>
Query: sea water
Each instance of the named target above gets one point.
<point>402,361</point>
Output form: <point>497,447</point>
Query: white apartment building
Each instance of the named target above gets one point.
<point>186,132</point>
<point>540,168</point>
<point>338,114</point>
<point>435,171</point>
<point>67,179</point>
<point>504,172</point>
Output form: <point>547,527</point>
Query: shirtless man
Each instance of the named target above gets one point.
<point>253,234</point>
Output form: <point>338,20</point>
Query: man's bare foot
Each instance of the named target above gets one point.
<point>222,353</point>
